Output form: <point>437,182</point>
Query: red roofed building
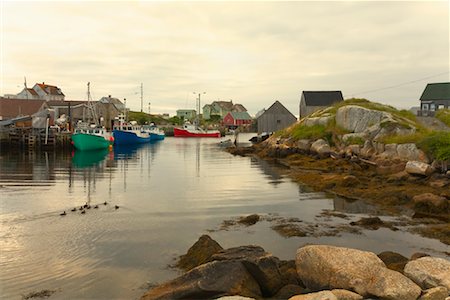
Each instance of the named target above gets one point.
<point>41,91</point>
<point>234,119</point>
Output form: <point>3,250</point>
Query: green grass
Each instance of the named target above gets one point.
<point>144,118</point>
<point>444,116</point>
<point>355,140</point>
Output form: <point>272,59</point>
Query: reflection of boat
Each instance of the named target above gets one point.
<point>83,159</point>
<point>91,138</point>
<point>190,130</point>
<point>129,133</point>
<point>87,137</point>
<point>126,151</point>
<point>156,134</point>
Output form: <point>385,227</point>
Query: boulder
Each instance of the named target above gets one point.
<point>368,150</point>
<point>210,280</point>
<point>388,284</point>
<point>357,119</point>
<point>321,147</point>
<point>390,151</point>
<point>263,266</point>
<point>289,272</point>
<point>323,295</point>
<point>325,267</point>
<point>304,145</point>
<point>312,121</point>
<point>235,298</point>
<point>437,293</point>
<point>418,168</point>
<point>429,272</point>
<point>249,220</point>
<point>411,152</point>
<point>393,261</point>
<point>346,295</point>
<point>417,255</point>
<point>354,136</point>
<point>199,253</point>
<point>372,223</point>
<point>288,291</point>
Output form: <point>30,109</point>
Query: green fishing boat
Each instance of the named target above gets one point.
<point>91,139</point>
<point>91,136</point>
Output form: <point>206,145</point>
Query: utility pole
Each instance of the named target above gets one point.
<point>142,95</point>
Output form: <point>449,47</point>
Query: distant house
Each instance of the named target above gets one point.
<point>435,96</point>
<point>186,114</point>
<point>107,109</point>
<point>22,112</point>
<point>41,91</point>
<point>275,118</point>
<point>221,109</point>
<point>312,101</point>
<point>233,119</point>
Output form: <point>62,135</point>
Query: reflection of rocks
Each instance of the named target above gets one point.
<point>353,207</point>
<point>372,223</point>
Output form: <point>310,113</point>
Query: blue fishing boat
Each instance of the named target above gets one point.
<point>125,133</point>
<point>156,134</point>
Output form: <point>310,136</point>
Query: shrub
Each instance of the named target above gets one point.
<point>437,144</point>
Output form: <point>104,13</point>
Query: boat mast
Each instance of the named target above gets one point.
<point>90,105</point>
<point>197,119</point>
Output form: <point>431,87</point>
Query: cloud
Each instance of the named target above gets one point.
<point>251,52</point>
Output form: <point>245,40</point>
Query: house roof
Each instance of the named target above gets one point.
<point>227,105</point>
<point>322,98</point>
<point>436,91</point>
<point>240,115</point>
<point>11,108</point>
<point>274,107</point>
<point>50,89</point>
<point>66,102</point>
<point>32,92</point>
<point>238,107</point>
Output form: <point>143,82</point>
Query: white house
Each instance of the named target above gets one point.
<point>41,91</point>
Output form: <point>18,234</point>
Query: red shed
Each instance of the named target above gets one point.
<point>235,119</point>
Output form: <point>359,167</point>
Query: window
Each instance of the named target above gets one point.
<point>278,121</point>
<point>432,107</point>
<point>425,106</point>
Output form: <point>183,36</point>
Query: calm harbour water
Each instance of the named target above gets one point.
<point>169,194</point>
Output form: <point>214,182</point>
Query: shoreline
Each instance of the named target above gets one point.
<point>385,186</point>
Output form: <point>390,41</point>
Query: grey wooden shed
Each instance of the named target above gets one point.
<point>275,118</point>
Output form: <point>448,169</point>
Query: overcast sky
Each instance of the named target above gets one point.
<point>251,52</point>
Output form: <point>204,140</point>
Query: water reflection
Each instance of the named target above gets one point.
<point>353,206</point>
<point>269,169</point>
<point>84,159</point>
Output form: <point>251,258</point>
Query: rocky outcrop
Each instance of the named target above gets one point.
<point>199,253</point>
<point>418,168</point>
<point>429,272</point>
<point>312,121</point>
<point>325,267</point>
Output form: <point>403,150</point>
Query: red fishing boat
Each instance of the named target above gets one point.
<point>189,130</point>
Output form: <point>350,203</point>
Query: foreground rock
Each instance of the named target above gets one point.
<point>393,261</point>
<point>327,267</point>
<point>211,280</point>
<point>429,272</point>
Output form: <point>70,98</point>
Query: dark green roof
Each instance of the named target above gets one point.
<point>436,91</point>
